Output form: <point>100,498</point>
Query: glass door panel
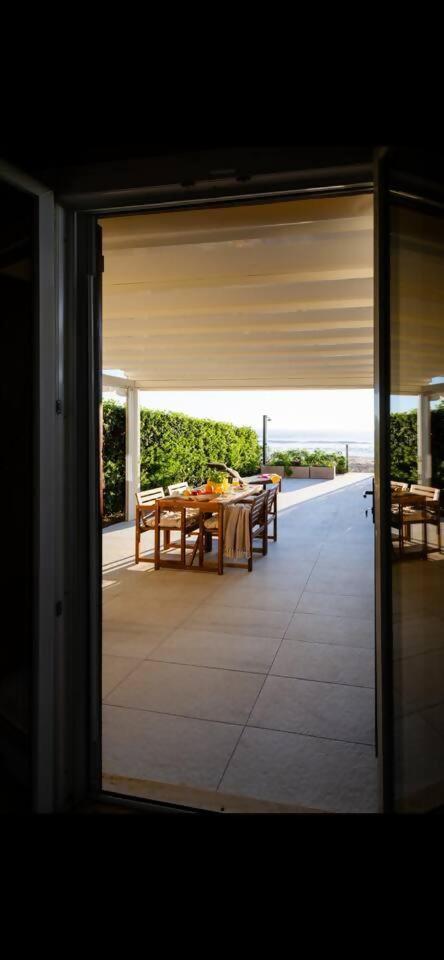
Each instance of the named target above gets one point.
<point>416,463</point>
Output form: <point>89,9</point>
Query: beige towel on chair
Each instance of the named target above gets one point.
<point>237,542</point>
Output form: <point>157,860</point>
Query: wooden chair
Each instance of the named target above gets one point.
<point>258,525</point>
<point>397,486</point>
<point>396,523</point>
<point>147,512</point>
<point>175,489</point>
<point>272,511</point>
<point>431,512</point>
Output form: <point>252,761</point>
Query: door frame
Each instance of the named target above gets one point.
<point>109,206</point>
<point>382,494</point>
<point>68,646</point>
<point>47,492</point>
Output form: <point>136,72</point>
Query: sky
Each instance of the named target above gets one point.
<point>343,412</point>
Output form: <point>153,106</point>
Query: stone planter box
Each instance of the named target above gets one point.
<point>323,473</point>
<point>300,473</point>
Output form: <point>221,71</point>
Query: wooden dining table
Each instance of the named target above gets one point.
<point>215,503</point>
<point>264,481</point>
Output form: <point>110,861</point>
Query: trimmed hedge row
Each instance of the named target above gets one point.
<point>173,447</point>
<point>304,458</point>
<point>404,446</point>
<point>114,442</point>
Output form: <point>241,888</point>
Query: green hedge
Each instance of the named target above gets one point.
<point>173,447</point>
<point>438,446</point>
<point>404,446</point>
<point>114,430</point>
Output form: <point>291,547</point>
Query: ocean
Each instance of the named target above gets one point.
<point>359,444</point>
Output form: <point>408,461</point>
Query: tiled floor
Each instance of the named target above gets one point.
<point>260,684</point>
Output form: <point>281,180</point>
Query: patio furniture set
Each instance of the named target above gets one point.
<point>235,518</point>
<point>415,505</point>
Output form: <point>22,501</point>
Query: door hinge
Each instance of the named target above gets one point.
<point>59,608</point>
<point>59,406</point>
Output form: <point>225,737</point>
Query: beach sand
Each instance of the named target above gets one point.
<point>361,465</point>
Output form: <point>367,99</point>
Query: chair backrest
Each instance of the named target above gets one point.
<point>398,486</point>
<point>176,488</point>
<point>272,499</point>
<point>147,497</point>
<point>432,493</point>
<point>257,512</point>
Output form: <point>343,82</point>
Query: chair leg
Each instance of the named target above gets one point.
<point>183,535</point>
<point>137,540</point>
<point>156,547</point>
<point>201,539</point>
<point>275,527</point>
<point>220,553</point>
<point>166,538</point>
<point>195,548</point>
<point>265,540</point>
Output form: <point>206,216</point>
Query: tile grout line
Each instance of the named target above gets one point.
<point>121,680</point>
<point>243,727</point>
<point>255,702</point>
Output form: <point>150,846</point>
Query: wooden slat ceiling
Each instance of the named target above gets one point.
<point>275,296</point>
<point>417,301</point>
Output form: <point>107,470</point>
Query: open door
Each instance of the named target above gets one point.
<point>31,407</point>
<point>409,381</point>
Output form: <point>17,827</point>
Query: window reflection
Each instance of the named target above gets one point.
<point>417,479</point>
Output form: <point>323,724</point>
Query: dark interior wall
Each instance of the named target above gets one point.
<point>17,290</point>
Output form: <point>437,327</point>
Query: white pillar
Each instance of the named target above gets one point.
<point>132,451</point>
<point>424,440</point>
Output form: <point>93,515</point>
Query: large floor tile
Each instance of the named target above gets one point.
<point>327,775</point>
<point>317,709</point>
<point>420,681</point>
<point>151,746</point>
<point>274,577</point>
<point>323,661</point>
<point>114,669</point>
<point>335,605</point>
<point>435,716</point>
<point>210,648</point>
<point>138,611</point>
<point>350,631</point>
<point>417,635</point>
<point>120,640</point>
<point>419,752</point>
<point>260,623</point>
<point>329,577</point>
<point>255,597</point>
<point>209,694</point>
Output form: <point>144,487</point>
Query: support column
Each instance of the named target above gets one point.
<point>424,440</point>
<point>132,451</point>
